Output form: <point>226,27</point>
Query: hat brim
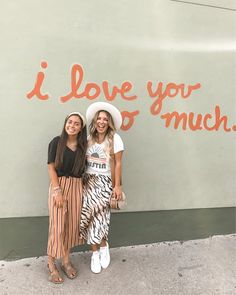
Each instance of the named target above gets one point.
<point>104,106</point>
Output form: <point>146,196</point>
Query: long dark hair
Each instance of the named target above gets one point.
<point>80,156</point>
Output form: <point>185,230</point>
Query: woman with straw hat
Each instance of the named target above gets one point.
<point>105,147</point>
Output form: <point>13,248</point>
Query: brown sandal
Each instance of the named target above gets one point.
<point>69,270</point>
<point>54,275</point>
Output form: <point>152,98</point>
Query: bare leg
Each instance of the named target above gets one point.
<point>95,247</point>
<point>103,243</point>
<point>67,266</point>
<point>65,258</point>
<point>54,276</point>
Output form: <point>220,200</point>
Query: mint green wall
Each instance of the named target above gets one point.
<point>162,41</point>
<point>27,236</point>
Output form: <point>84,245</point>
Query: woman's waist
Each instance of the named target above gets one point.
<point>94,172</point>
<point>98,175</point>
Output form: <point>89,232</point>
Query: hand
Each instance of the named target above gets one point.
<point>117,191</point>
<point>58,201</point>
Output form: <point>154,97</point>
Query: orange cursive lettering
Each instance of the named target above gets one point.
<point>38,84</point>
<point>130,117</point>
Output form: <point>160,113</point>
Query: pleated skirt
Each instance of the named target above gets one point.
<point>64,222</point>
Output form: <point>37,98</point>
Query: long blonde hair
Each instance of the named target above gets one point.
<point>93,134</point>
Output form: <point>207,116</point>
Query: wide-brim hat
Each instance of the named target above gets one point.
<point>104,106</point>
<point>78,114</point>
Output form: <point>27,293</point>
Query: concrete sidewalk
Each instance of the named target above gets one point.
<point>195,267</point>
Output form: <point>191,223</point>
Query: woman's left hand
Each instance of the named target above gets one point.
<point>117,191</point>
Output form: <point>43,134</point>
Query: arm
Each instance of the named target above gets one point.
<point>117,190</point>
<point>57,194</point>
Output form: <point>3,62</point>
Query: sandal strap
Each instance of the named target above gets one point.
<point>69,269</point>
<point>54,275</point>
<point>68,265</point>
<point>52,267</point>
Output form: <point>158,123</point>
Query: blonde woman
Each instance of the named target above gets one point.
<point>66,164</point>
<point>104,146</point>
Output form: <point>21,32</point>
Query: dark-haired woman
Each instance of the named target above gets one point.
<point>66,163</point>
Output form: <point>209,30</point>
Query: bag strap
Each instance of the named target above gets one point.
<point>112,162</point>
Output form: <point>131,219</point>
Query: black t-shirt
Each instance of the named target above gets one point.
<point>68,159</point>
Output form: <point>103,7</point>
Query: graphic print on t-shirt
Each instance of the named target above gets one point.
<point>96,158</point>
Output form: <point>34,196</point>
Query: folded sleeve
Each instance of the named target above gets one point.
<point>118,143</point>
<point>52,149</point>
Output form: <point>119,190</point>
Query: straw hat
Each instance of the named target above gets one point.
<point>104,106</point>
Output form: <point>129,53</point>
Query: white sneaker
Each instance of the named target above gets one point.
<point>105,256</point>
<point>95,263</point>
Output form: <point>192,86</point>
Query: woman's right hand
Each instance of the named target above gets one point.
<point>55,186</point>
<point>58,200</point>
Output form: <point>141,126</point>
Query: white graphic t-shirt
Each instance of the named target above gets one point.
<point>98,161</point>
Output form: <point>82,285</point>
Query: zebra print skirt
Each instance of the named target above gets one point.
<point>95,212</point>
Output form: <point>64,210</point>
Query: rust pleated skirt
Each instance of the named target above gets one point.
<point>64,222</point>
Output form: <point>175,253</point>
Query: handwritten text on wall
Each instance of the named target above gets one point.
<point>159,92</point>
